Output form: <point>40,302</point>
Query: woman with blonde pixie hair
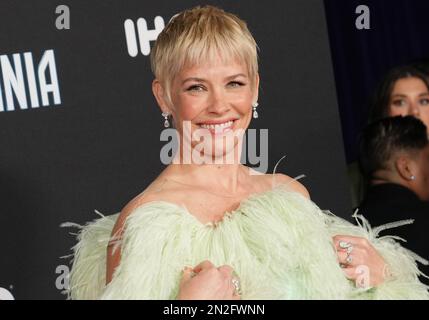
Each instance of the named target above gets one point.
<point>211,229</point>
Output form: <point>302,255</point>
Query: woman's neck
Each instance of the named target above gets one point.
<point>224,174</point>
<point>222,178</point>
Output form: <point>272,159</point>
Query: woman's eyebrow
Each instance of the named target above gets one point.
<point>404,96</point>
<point>236,76</point>
<point>193,79</point>
<point>196,79</point>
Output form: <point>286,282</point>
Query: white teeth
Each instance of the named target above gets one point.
<point>217,126</point>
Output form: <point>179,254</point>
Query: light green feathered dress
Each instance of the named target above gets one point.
<point>278,242</point>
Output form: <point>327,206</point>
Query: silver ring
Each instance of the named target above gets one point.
<point>236,284</point>
<point>349,259</point>
<point>345,244</point>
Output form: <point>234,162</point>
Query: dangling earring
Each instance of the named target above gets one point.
<point>166,122</point>
<point>255,113</point>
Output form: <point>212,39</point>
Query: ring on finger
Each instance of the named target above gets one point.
<point>349,258</point>
<point>345,244</point>
<point>237,287</point>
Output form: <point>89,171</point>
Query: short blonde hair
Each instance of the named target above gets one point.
<point>198,35</point>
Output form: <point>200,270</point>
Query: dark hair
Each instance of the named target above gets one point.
<point>379,107</point>
<point>381,139</point>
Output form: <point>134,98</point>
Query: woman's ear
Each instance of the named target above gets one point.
<point>256,89</point>
<point>159,93</point>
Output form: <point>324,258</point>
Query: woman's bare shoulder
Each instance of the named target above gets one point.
<point>156,191</point>
<point>280,178</point>
<point>114,256</point>
<point>269,181</point>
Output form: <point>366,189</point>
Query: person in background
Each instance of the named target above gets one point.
<point>394,157</point>
<point>404,91</point>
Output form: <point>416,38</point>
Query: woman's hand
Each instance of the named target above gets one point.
<point>206,282</point>
<point>360,261</point>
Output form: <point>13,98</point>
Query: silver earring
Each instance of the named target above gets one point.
<point>166,122</point>
<point>255,113</point>
<point>413,177</point>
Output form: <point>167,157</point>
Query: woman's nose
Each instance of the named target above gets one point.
<point>415,110</point>
<point>218,104</point>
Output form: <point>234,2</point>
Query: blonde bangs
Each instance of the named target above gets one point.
<point>202,36</point>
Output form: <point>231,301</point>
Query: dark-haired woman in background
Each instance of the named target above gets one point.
<point>403,91</point>
<point>394,157</point>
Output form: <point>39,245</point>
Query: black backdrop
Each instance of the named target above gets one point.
<point>99,146</point>
<point>398,35</point>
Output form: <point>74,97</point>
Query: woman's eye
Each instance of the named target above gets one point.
<point>424,101</point>
<point>195,88</point>
<point>235,84</point>
<point>398,103</point>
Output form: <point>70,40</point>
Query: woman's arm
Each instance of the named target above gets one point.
<point>113,257</point>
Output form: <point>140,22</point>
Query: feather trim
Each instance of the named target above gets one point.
<point>278,242</point>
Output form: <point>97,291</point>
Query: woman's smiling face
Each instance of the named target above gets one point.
<point>215,99</point>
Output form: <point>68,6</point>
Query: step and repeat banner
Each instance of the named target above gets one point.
<point>80,129</point>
